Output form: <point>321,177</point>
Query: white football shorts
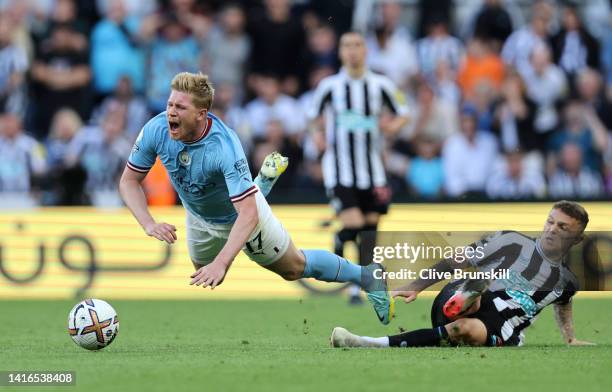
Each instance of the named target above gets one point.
<point>267,243</point>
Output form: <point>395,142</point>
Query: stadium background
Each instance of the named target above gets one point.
<point>78,78</point>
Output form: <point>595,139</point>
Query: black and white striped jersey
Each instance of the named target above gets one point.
<point>352,108</point>
<point>533,282</point>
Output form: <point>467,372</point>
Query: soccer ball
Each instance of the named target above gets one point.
<point>93,324</point>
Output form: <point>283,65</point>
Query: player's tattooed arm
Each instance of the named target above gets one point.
<point>565,321</point>
<point>134,198</point>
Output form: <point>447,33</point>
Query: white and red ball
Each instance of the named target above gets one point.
<point>93,324</point>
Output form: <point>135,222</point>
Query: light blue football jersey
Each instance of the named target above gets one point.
<point>209,174</point>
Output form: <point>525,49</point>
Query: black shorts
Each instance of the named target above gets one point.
<point>376,199</point>
<point>487,313</point>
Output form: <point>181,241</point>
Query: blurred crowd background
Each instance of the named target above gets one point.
<point>509,100</point>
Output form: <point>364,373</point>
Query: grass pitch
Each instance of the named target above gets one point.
<point>258,345</point>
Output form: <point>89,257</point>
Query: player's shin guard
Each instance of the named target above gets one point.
<point>420,338</point>
<point>367,242</point>
<point>343,236</point>
<point>328,267</point>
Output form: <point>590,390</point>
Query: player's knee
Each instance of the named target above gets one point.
<point>467,331</point>
<point>296,269</point>
<point>460,328</point>
<point>292,274</point>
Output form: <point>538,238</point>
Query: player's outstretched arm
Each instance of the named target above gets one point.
<point>410,291</point>
<point>565,321</point>
<point>130,187</point>
<point>213,274</point>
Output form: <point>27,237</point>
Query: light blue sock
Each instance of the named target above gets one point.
<point>326,266</point>
<point>265,184</point>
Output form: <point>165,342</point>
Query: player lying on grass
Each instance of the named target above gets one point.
<point>226,210</point>
<point>496,313</point>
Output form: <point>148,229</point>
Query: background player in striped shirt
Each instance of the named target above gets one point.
<point>226,210</point>
<point>356,106</point>
<point>496,313</point>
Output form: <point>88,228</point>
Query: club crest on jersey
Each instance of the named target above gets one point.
<point>185,158</point>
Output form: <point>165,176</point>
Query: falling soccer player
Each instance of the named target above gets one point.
<point>497,312</point>
<point>226,210</point>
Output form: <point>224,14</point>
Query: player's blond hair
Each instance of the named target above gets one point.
<point>198,86</point>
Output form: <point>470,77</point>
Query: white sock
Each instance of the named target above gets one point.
<point>377,342</point>
<point>354,290</point>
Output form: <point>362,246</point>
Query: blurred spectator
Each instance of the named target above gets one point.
<point>135,8</point>
<point>174,50</point>
<point>433,11</point>
<point>114,50</point>
<point>322,51</point>
<point>22,162</point>
<point>573,179</point>
<point>468,157</point>
<point>64,12</point>
<point>573,47</point>
<point>597,13</point>
<point>438,46</point>
<point>191,14</point>
<point>64,185</point>
<point>493,23</point>
<point>276,139</point>
<point>546,86</point>
<point>445,85</point>
<point>339,14</point>
<point>17,14</point>
<point>606,60</point>
<point>425,173</point>
<point>515,118</point>
<point>391,50</point>
<point>515,180</point>
<point>13,66</point>
<point>483,101</point>
<point>227,49</point>
<point>136,107</point>
<point>582,128</point>
<point>434,119</point>
<point>277,44</point>
<point>481,65</point>
<point>227,107</point>
<point>517,48</point>
<point>61,74</point>
<point>591,93</point>
<point>64,126</point>
<point>102,152</point>
<point>271,104</point>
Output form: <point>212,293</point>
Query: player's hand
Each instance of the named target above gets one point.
<point>409,295</point>
<point>210,275</point>
<point>576,342</point>
<point>162,231</point>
